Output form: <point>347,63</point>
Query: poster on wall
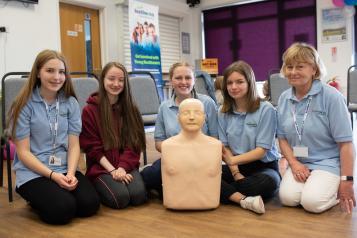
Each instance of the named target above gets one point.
<point>333,25</point>
<point>145,40</point>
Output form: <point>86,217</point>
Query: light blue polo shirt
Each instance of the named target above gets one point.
<point>243,132</point>
<point>167,124</point>
<point>33,123</point>
<point>327,123</point>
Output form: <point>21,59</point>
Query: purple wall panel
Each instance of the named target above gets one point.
<point>295,32</point>
<point>217,46</point>
<point>259,44</point>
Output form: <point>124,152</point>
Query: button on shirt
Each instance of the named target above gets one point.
<point>326,124</point>
<point>33,123</point>
<point>243,132</point>
<point>167,124</point>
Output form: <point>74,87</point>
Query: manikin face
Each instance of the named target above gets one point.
<point>52,76</point>
<point>191,115</point>
<point>114,83</point>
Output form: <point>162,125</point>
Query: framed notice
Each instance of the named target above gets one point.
<point>333,25</point>
<point>185,38</point>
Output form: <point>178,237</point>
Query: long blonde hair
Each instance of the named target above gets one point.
<point>33,81</point>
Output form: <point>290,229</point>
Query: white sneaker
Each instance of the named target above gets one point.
<point>254,204</point>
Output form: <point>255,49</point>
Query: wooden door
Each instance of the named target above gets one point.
<point>80,40</point>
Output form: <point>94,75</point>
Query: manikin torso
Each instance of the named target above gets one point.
<point>191,167</point>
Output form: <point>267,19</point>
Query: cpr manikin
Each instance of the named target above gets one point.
<point>191,162</point>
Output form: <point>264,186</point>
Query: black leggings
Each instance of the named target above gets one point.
<point>56,205</point>
<point>260,179</point>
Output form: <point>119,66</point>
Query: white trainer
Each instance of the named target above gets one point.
<point>254,204</point>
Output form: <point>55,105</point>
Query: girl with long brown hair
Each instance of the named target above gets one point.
<point>113,137</point>
<point>246,127</point>
<point>46,123</point>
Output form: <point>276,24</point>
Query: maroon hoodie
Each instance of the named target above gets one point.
<point>91,142</point>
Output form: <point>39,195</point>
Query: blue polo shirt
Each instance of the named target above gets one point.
<point>33,123</point>
<point>326,124</point>
<point>167,124</point>
<point>243,132</point>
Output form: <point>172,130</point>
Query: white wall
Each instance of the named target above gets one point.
<point>344,58</point>
<point>36,27</point>
<point>31,29</point>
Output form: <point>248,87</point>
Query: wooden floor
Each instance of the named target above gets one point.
<point>153,220</point>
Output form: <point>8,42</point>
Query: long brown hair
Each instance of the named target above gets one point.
<point>253,100</point>
<point>33,81</point>
<point>131,128</point>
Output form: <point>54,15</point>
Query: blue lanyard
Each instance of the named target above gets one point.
<point>53,126</point>
<point>300,132</point>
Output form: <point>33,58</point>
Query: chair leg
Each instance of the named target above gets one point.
<point>2,165</point>
<point>9,179</point>
<point>352,120</point>
<point>145,157</point>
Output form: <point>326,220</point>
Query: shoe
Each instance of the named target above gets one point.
<point>254,204</point>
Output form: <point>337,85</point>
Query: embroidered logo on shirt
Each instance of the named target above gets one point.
<point>252,124</point>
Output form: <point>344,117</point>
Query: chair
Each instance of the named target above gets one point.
<point>84,86</point>
<point>11,84</point>
<point>204,84</point>
<point>143,89</point>
<point>352,90</point>
<point>277,85</point>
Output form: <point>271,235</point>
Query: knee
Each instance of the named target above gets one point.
<point>60,212</point>
<point>118,200</point>
<point>288,197</point>
<point>89,205</point>
<point>313,203</point>
<point>138,197</point>
<point>270,185</point>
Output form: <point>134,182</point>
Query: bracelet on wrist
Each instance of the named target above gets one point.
<point>112,171</point>
<point>51,174</point>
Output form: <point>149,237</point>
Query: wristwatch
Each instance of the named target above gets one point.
<point>346,178</point>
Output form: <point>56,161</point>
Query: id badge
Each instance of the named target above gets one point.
<point>301,151</point>
<point>55,161</point>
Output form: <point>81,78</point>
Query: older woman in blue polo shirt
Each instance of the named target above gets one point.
<point>247,127</point>
<point>182,81</point>
<point>315,136</point>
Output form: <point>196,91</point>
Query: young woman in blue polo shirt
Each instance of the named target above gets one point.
<point>315,136</point>
<point>45,121</point>
<point>247,128</point>
<point>182,81</point>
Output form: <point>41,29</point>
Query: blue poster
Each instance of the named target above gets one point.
<point>145,40</point>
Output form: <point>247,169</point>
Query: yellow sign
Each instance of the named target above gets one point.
<point>210,65</point>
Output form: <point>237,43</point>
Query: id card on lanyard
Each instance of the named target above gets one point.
<point>301,150</point>
<point>53,159</point>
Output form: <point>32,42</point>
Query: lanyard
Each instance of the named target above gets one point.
<point>53,126</point>
<point>299,132</point>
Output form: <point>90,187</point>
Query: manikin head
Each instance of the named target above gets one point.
<point>191,115</point>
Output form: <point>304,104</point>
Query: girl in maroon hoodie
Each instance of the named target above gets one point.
<point>113,137</point>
